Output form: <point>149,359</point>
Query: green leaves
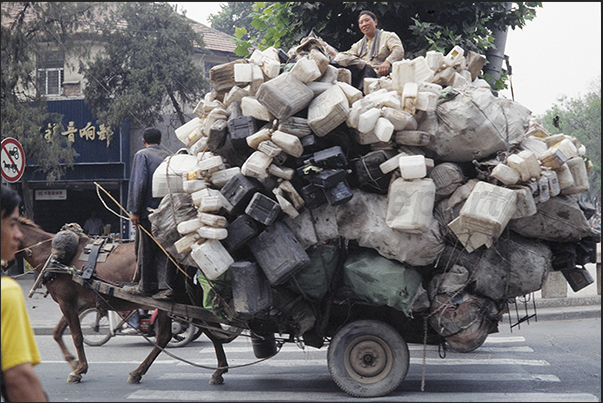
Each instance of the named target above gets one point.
<point>421,26</point>
<point>146,68</point>
<point>581,117</point>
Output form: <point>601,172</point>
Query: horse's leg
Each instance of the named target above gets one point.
<point>58,332</point>
<point>70,313</point>
<point>217,378</point>
<point>164,334</point>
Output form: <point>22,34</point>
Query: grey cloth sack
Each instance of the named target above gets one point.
<point>559,219</point>
<point>511,267</point>
<point>474,124</point>
<point>363,219</point>
<point>173,209</point>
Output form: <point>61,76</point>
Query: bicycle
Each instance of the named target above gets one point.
<point>100,325</point>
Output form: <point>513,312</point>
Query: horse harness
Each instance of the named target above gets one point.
<point>64,246</point>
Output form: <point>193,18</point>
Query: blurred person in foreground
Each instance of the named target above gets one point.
<point>19,350</point>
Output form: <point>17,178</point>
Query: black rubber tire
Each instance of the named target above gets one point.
<point>368,358</point>
<point>93,336</point>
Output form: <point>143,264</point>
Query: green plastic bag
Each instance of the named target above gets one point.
<point>314,279</point>
<point>381,281</point>
<point>216,293</point>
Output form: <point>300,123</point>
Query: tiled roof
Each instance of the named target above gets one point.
<point>214,39</point>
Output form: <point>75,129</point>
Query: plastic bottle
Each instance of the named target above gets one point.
<point>453,56</point>
<point>212,258</point>
<point>412,166</point>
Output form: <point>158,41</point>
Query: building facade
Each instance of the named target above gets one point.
<point>105,153</point>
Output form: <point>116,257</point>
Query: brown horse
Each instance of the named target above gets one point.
<point>73,298</point>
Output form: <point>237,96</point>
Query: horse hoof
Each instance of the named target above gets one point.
<point>134,379</point>
<point>216,381</point>
<point>74,378</point>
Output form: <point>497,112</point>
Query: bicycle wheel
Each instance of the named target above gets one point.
<point>198,333</point>
<point>182,333</point>
<point>95,327</point>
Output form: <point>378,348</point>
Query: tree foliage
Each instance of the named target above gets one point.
<point>421,26</point>
<point>146,65</point>
<point>28,30</point>
<point>581,117</point>
<point>233,15</point>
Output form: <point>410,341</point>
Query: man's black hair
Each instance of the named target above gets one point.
<point>10,200</point>
<point>369,13</point>
<point>151,135</point>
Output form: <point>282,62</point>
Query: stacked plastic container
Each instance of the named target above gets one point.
<point>277,137</point>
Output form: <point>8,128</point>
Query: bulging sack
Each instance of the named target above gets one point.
<point>363,219</point>
<point>382,281</point>
<point>511,267</point>
<point>474,124</point>
<point>173,208</point>
<point>559,219</point>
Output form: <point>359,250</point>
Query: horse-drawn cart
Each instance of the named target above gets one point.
<point>367,356</point>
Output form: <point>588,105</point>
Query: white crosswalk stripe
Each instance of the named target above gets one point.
<point>247,396</point>
<point>311,365</point>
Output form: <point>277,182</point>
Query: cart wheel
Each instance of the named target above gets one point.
<point>368,358</point>
<point>95,327</point>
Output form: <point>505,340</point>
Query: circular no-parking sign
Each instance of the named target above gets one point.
<point>13,159</point>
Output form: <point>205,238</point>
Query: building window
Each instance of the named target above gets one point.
<point>51,73</point>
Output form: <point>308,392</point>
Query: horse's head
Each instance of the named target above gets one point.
<point>34,245</point>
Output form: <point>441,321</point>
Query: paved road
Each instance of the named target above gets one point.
<point>542,362</point>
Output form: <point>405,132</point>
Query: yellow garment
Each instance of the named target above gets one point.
<point>390,49</point>
<point>17,337</point>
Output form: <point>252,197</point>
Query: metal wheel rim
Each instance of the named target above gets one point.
<point>368,359</point>
<point>87,322</point>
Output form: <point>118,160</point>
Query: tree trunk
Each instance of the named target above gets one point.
<point>27,197</point>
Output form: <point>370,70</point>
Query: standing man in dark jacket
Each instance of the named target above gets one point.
<point>153,265</point>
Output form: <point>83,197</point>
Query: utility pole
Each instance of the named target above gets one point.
<point>496,55</point>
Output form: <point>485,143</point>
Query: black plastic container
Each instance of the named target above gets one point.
<point>328,177</point>
<point>264,345</point>
<point>313,196</point>
<point>338,194</point>
<point>332,157</point>
<point>578,278</point>
<point>368,174</point>
<point>239,129</point>
<point>283,57</point>
<point>251,290</point>
<point>217,135</point>
<point>240,231</point>
<point>279,253</point>
<point>239,190</point>
<point>263,209</point>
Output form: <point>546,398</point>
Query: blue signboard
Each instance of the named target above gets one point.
<point>92,140</point>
